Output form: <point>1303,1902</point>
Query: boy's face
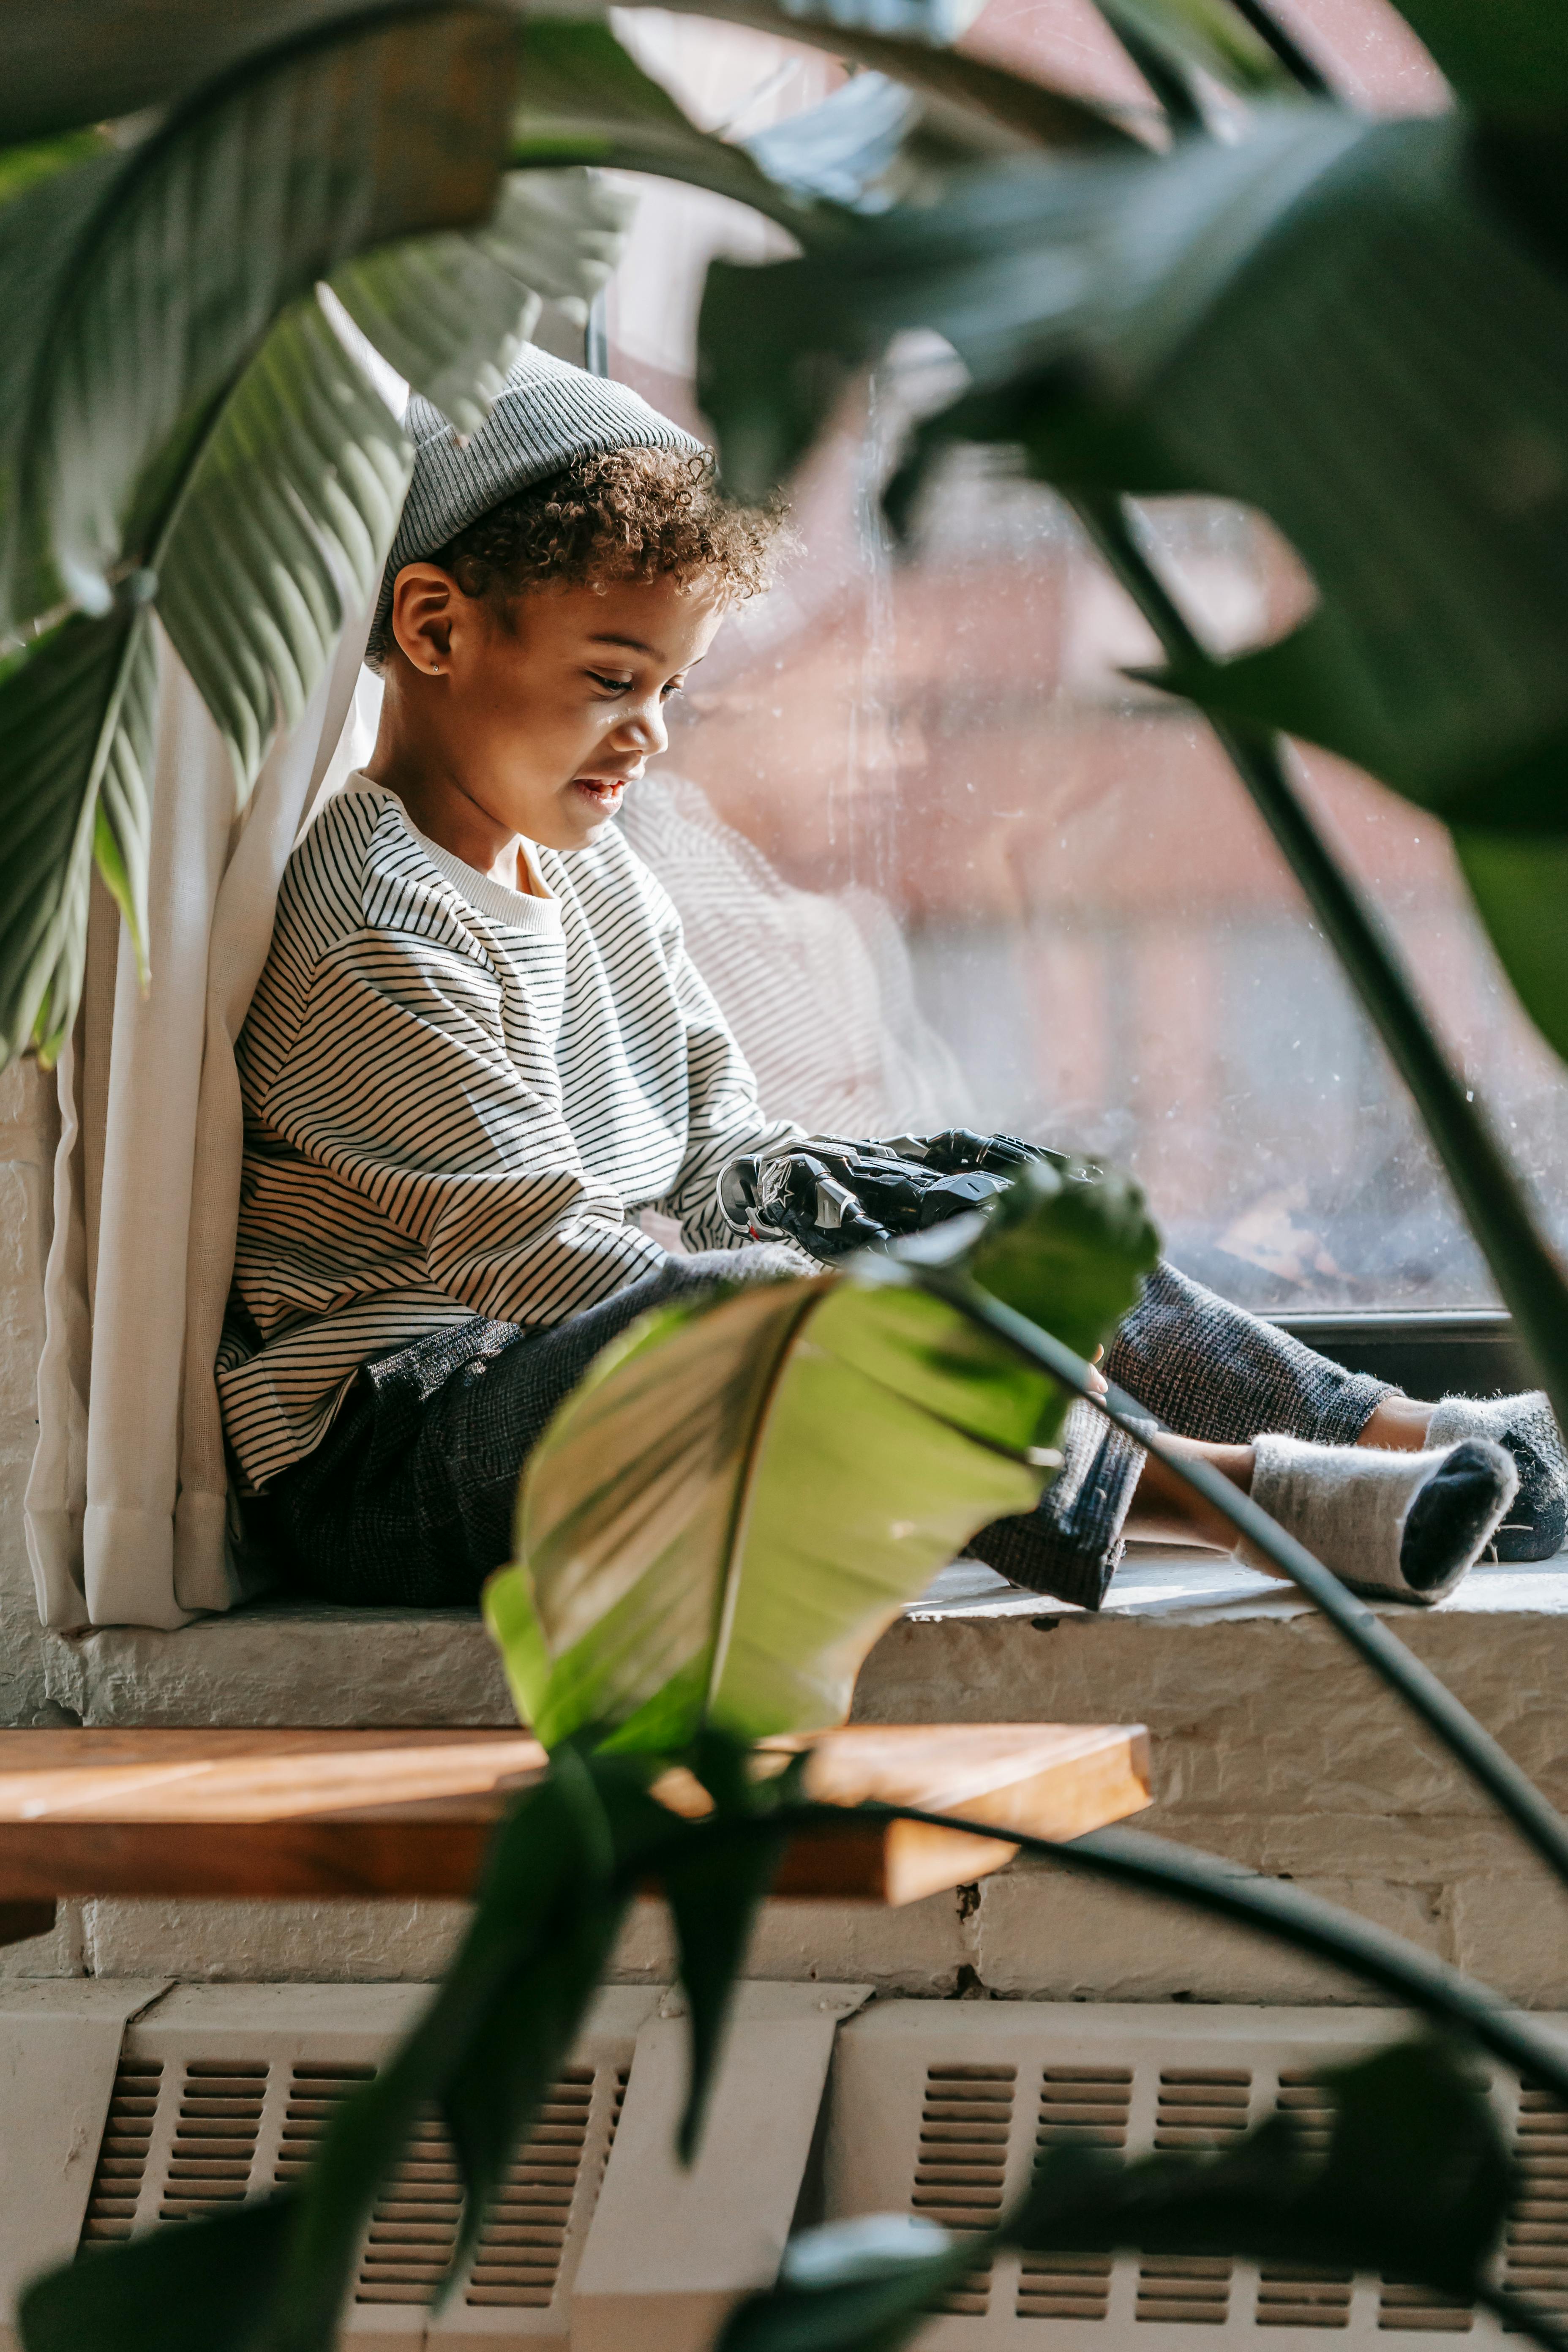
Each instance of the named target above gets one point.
<point>541,714</point>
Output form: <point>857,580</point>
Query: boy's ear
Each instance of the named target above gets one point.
<point>423,601</point>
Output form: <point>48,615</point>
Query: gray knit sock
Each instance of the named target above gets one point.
<point>1537,1521</point>
<point>1395,1527</point>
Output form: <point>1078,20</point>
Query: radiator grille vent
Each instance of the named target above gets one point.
<point>1192,2289</point>
<point>122,2157</point>
<point>965,2124</point>
<point>1083,2106</point>
<point>1200,2108</point>
<point>1086,2104</point>
<point>518,2256</point>
<point>1064,2286</point>
<point>1535,2262</point>
<point>1402,2305</point>
<point>1298,2295</point>
<point>216,2133</point>
<point>314,2096</point>
<point>414,2225</point>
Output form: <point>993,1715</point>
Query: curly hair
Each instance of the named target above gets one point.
<point>626,514</point>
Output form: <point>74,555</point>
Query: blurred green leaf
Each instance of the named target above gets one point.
<point>83,61</point>
<point>1510,55</point>
<point>551,1912</point>
<point>75,719</point>
<point>1070,1254</point>
<point>583,99</point>
<point>491,2042</point>
<point>22,167</point>
<point>673,1567</point>
<point>713,1891</point>
<point>1414,2180</point>
<point>1519,884</point>
<point>1208,34</point>
<point>203,2286</point>
<point>272,2277</point>
<point>168,263</point>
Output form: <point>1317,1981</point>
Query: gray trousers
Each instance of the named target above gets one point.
<point>1205,1369</point>
<point>409,1497</point>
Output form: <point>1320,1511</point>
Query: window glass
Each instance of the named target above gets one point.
<point>943,861</point>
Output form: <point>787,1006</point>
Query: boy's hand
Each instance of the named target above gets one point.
<point>831,1196</point>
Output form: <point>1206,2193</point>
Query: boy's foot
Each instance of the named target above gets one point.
<point>1537,1518</point>
<point>1393,1527</point>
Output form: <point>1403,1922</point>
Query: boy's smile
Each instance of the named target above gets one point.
<point>531,720</point>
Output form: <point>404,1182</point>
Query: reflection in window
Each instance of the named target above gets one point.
<point>941,859</point>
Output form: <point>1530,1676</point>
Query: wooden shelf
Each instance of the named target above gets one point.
<point>409,1813</point>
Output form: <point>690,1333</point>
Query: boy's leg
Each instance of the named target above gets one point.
<point>1221,1377</point>
<point>1210,1370</point>
<point>409,1499</point>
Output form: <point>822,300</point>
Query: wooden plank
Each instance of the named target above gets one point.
<point>285,1812</point>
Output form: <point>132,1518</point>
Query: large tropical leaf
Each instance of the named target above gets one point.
<point>287,507</point>
<point>677,1563</point>
<point>85,60</point>
<point>254,529</point>
<point>293,501</point>
<point>254,515</point>
<point>450,313</point>
<point>168,265</point>
<point>76,720</point>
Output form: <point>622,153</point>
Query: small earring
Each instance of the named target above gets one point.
<point>435,669</point>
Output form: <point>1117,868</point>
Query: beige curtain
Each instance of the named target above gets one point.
<point>126,1505</point>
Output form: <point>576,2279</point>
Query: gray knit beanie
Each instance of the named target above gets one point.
<point>549,414</point>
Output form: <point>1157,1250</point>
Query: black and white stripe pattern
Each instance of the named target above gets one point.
<point>548,415</point>
<point>456,1097</point>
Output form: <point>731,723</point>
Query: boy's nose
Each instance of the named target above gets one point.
<point>647,728</point>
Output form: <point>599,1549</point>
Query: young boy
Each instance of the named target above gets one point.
<point>479,1049</point>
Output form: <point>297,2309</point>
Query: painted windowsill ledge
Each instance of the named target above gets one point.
<point>1272,1745</point>
<point>304,1662</point>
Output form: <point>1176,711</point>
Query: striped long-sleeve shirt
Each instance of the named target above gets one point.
<point>456,1097</point>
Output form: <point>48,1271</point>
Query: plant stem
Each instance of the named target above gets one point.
<point>1276,1908</point>
<point>1528,1273</point>
<point>1471,1747</point>
<point>1289,51</point>
<point>1206,1882</point>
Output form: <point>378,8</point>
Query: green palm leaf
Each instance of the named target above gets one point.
<point>84,61</point>
<point>450,313</point>
<point>674,1564</point>
<point>76,718</point>
<point>739,1498</point>
<point>168,265</point>
<point>294,500</point>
